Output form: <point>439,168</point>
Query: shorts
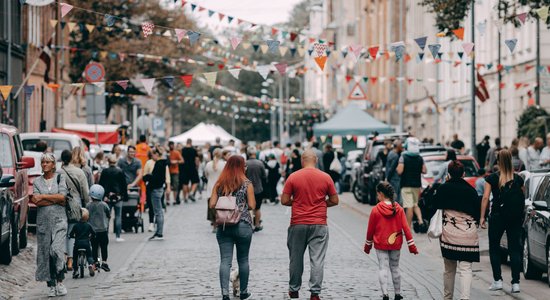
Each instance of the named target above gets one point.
<point>409,196</point>
<point>259,199</point>
<point>174,181</point>
<point>189,176</point>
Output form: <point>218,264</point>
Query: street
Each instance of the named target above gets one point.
<point>185,264</point>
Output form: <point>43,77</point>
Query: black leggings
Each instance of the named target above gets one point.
<point>497,227</point>
<point>101,240</point>
<point>150,209</point>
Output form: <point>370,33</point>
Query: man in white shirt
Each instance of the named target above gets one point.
<point>545,154</point>
<point>533,155</point>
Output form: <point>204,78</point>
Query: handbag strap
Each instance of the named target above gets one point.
<point>74,182</point>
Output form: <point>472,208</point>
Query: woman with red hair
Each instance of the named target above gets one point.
<point>233,182</point>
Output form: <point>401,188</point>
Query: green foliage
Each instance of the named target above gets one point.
<point>529,123</point>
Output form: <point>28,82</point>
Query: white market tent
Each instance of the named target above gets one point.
<point>205,133</point>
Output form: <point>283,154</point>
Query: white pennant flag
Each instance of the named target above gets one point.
<point>235,73</point>
<point>263,71</point>
<point>148,84</point>
<point>211,78</point>
<point>180,33</point>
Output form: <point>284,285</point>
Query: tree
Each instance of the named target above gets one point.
<point>299,16</point>
<point>532,122</point>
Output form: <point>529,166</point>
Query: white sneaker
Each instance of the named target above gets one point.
<point>497,285</point>
<point>515,287</point>
<point>119,239</point>
<point>53,292</point>
<point>61,290</point>
<point>151,227</point>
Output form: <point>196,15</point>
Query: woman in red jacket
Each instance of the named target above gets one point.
<point>387,223</point>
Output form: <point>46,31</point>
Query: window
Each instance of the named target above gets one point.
<point>6,159</point>
<point>541,191</point>
<point>34,25</point>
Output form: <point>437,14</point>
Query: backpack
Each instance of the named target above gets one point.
<point>512,202</point>
<point>227,211</point>
<point>72,206</point>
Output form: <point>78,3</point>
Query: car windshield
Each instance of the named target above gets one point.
<point>434,167</point>
<point>6,159</point>
<point>57,145</point>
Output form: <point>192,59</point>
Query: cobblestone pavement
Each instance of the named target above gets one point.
<point>185,264</point>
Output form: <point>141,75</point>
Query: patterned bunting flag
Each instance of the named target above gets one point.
<point>421,42</point>
<point>399,49</point>
<point>434,49</point>
<point>511,43</point>
<point>147,28</point>
<point>180,34</point>
<point>468,47</point>
<point>522,17</point>
<point>356,50</point>
<point>65,9</point>
<point>187,79</point>
<point>148,84</point>
<point>320,49</point>
<point>281,67</point>
<point>123,84</point>
<point>543,13</point>
<point>29,89</point>
<point>273,46</point>
<point>169,80</point>
<point>235,41</point>
<point>211,78</point>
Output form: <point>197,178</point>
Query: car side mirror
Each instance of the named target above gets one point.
<point>7,181</point>
<point>540,205</point>
<point>26,162</point>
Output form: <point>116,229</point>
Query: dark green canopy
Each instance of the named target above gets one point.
<point>352,120</point>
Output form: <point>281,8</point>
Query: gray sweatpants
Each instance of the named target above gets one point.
<point>314,237</point>
<point>388,262</point>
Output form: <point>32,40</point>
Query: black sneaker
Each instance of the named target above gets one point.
<point>226,298</point>
<point>157,237</point>
<point>259,228</point>
<point>385,297</point>
<point>192,198</point>
<point>91,270</point>
<point>245,296</point>
<point>398,297</point>
<point>75,275</point>
<point>105,267</point>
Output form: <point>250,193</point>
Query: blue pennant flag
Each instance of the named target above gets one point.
<point>255,47</point>
<point>169,80</point>
<point>508,68</point>
<point>273,46</point>
<point>511,43</point>
<point>434,49</point>
<point>421,56</point>
<point>229,19</point>
<point>460,54</point>
<point>210,12</point>
<point>110,20</point>
<point>328,52</point>
<point>28,91</point>
<point>399,51</point>
<point>193,37</point>
<point>293,52</point>
<point>421,42</point>
<point>193,6</point>
<point>344,53</point>
<point>310,51</point>
<point>489,66</point>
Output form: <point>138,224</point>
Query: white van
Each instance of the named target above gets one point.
<point>57,141</point>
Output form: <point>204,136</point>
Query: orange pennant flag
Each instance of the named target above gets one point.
<point>321,61</point>
<point>5,91</point>
<point>459,33</point>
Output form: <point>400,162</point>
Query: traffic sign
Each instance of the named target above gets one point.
<point>357,93</point>
<point>158,126</point>
<point>94,72</point>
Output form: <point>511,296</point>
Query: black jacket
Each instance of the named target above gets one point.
<point>113,181</point>
<point>82,231</point>
<point>459,195</point>
<point>157,178</point>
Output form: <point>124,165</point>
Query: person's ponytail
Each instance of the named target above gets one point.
<point>387,190</point>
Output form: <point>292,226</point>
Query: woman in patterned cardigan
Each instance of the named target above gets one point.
<point>459,240</point>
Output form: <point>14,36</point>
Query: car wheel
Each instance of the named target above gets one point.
<point>357,192</point>
<point>14,236</point>
<point>529,270</point>
<point>23,236</point>
<point>548,263</point>
<point>5,248</point>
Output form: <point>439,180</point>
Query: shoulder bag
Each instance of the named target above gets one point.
<point>73,207</point>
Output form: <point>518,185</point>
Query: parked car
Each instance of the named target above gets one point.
<point>536,239</point>
<point>351,159</point>
<point>435,162</point>
<point>371,171</point>
<point>32,174</point>
<point>56,141</point>
<point>15,198</point>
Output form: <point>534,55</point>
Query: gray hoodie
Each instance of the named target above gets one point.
<point>99,215</point>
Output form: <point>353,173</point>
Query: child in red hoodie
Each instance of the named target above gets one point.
<point>387,223</point>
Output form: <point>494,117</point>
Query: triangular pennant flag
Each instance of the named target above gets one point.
<point>281,67</point>
<point>348,78</point>
<point>193,37</point>
<point>235,41</point>
<point>229,19</point>
<point>147,28</point>
<point>90,28</point>
<point>169,80</point>
<point>211,78</point>
<point>460,54</point>
<point>508,68</point>
<point>468,47</point>
<point>459,33</point>
<point>263,71</point>
<point>29,89</point>
<point>123,84</point>
<point>373,51</point>
<point>321,61</point>
<point>109,20</point>
<point>522,17</point>
<point>148,84</point>
<point>283,50</point>
<point>293,36</point>
<point>235,73</point>
<point>357,78</point>
<point>434,49</point>
<point>255,47</point>
<point>5,91</point>
<point>65,9</point>
<point>211,13</point>
<point>373,80</point>
<point>187,79</point>
<point>221,16</point>
<point>273,46</point>
<point>310,51</point>
<point>301,51</point>
<point>365,79</point>
<point>71,25</point>
<point>264,48</point>
<point>543,13</point>
<point>53,23</point>
<point>246,45</point>
<point>274,31</point>
<point>511,43</point>
<point>293,52</point>
<point>320,49</point>
<point>481,27</point>
<point>180,34</point>
<point>421,42</point>
<point>356,50</point>
<point>193,6</point>
<point>399,50</point>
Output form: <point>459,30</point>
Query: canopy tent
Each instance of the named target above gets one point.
<point>205,133</point>
<point>351,120</point>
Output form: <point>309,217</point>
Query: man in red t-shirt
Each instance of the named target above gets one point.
<point>309,191</point>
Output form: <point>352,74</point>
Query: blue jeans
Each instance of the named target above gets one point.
<point>118,217</point>
<point>239,235</point>
<point>156,199</point>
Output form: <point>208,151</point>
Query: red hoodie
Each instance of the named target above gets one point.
<point>386,228</point>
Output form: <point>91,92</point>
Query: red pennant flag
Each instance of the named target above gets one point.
<point>500,67</point>
<point>239,21</point>
<point>481,89</point>
<point>518,85</point>
<point>187,79</point>
<point>183,2</point>
<point>502,85</point>
<point>373,80</point>
<point>459,33</point>
<point>221,66</point>
<point>221,16</point>
<point>527,68</point>
<point>457,63</point>
<point>522,17</point>
<point>373,51</point>
<point>274,31</point>
<point>407,58</point>
<point>311,40</point>
<point>348,78</point>
<point>293,36</point>
<point>201,8</point>
<point>409,80</point>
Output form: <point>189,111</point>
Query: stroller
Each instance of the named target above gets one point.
<point>132,218</point>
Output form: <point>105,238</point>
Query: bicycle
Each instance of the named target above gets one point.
<point>82,262</point>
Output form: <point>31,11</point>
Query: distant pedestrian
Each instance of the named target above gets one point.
<point>131,168</point>
<point>411,167</point>
<point>231,147</point>
<point>175,160</point>
<point>458,144</point>
<point>273,177</point>
<point>387,224</point>
<point>517,164</point>
<point>480,182</point>
<point>114,184</point>
<point>79,160</point>
<point>319,153</point>
<point>545,154</point>
<point>459,240</point>
<point>217,145</point>
<point>256,173</point>
<point>482,149</point>
<point>99,220</point>
<point>492,156</point>
<point>49,191</point>
<point>533,155</point>
<point>189,173</point>
<point>522,149</point>
<point>295,162</point>
<point>233,182</point>
<point>391,169</point>
<point>328,157</point>
<point>306,191</point>
<point>157,182</point>
<point>212,172</point>
<point>506,215</point>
